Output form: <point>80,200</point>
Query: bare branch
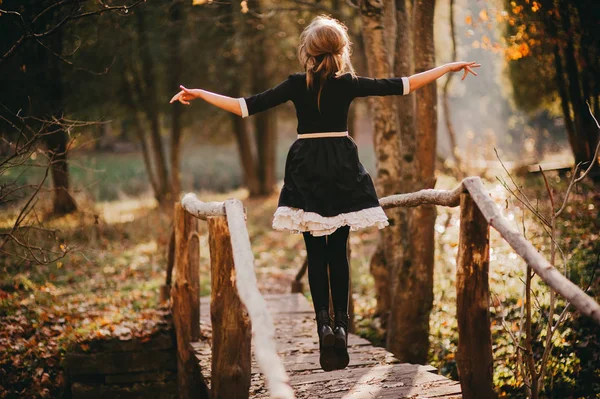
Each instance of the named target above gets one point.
<point>527,251</point>
<point>523,198</point>
<point>28,35</point>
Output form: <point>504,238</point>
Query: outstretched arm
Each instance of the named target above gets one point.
<point>421,79</point>
<point>224,102</point>
<point>242,106</point>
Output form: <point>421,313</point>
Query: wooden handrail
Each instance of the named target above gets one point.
<point>200,209</point>
<point>522,247</point>
<point>555,279</point>
<point>263,329</point>
<point>478,212</point>
<point>423,197</point>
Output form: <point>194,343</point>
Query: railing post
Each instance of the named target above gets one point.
<point>474,357</point>
<point>231,330</point>
<point>185,294</point>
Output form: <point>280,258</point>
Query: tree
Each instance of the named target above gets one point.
<point>250,33</point>
<point>414,294</point>
<point>235,28</point>
<point>387,147</point>
<point>405,146</point>
<point>559,40</point>
<point>33,60</point>
<point>265,123</point>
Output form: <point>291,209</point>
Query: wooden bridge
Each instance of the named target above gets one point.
<point>267,346</point>
<point>372,373</point>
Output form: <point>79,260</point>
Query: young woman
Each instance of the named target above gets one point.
<point>327,192</point>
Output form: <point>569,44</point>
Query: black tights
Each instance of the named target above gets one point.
<point>329,251</point>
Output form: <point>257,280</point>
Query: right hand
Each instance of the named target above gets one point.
<point>185,95</point>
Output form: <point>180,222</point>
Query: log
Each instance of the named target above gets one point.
<point>185,294</point>
<point>263,330</point>
<point>474,358</point>
<point>231,330</point>
<point>583,302</point>
<point>423,197</point>
<point>200,209</point>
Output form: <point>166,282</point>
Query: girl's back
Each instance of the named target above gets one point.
<point>329,113</point>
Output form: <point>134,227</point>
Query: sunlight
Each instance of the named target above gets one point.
<point>368,385</point>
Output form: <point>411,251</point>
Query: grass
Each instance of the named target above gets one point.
<point>105,176</point>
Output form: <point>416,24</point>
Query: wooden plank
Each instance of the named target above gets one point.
<point>310,361</point>
<point>396,372</point>
<point>372,373</point>
<point>395,390</point>
<point>392,381</point>
<point>300,360</point>
<point>276,303</point>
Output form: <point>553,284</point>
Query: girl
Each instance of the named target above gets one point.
<point>327,192</point>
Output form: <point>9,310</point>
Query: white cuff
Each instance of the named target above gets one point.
<point>405,86</point>
<point>243,107</point>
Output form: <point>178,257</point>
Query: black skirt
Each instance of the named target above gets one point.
<point>326,187</point>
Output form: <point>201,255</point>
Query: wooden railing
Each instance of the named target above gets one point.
<point>237,308</point>
<point>478,212</point>
<point>236,302</point>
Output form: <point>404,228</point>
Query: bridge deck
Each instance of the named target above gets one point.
<point>372,373</point>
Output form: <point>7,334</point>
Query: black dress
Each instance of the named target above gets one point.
<point>325,185</point>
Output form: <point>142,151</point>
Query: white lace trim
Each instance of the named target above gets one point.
<point>297,220</point>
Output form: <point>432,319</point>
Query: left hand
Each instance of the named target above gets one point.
<point>465,66</point>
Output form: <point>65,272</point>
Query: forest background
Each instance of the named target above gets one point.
<point>93,157</point>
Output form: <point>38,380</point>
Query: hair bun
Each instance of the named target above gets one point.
<point>324,51</point>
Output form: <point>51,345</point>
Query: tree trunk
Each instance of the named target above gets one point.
<point>175,38</point>
<point>586,132</point>
<point>381,275</point>
<point>63,202</point>
<point>408,178</point>
<point>51,101</point>
<point>265,122</point>
<point>387,147</point>
<point>474,356</point>
<point>413,297</point>
<point>127,98</point>
<point>148,101</point>
<point>247,160</point>
<point>235,28</point>
<point>266,129</point>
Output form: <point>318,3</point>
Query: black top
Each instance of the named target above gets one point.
<point>336,96</point>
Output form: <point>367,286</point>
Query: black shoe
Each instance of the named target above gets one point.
<point>327,356</point>
<point>341,340</point>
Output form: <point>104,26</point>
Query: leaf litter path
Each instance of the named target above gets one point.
<point>372,373</point>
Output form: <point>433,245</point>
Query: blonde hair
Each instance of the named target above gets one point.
<point>324,51</point>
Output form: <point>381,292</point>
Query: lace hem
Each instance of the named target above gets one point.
<point>297,220</point>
